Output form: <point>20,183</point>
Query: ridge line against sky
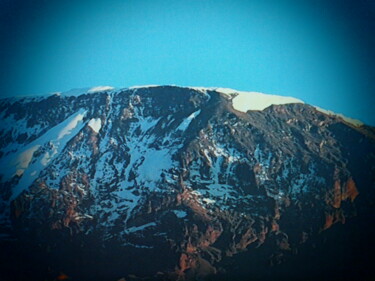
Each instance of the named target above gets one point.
<point>317,51</point>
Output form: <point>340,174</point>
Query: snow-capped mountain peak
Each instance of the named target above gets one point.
<point>205,177</point>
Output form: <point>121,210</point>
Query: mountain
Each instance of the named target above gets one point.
<point>178,183</point>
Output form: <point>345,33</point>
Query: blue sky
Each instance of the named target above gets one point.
<point>318,51</point>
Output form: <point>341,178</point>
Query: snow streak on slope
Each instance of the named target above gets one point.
<point>183,126</point>
<point>28,161</point>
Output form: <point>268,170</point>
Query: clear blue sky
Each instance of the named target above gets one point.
<point>318,51</point>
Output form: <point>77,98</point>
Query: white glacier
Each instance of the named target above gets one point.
<point>244,101</point>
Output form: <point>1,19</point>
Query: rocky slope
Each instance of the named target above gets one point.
<point>172,183</point>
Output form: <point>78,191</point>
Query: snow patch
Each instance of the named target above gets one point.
<point>155,162</point>
<point>208,200</point>
<point>95,124</point>
<point>180,214</point>
<point>99,89</point>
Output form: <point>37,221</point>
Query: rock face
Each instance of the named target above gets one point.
<point>172,183</point>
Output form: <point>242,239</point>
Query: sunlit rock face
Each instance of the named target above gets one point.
<point>174,183</point>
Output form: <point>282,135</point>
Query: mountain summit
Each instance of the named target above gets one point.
<point>179,183</point>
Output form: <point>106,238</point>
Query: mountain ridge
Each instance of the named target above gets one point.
<point>228,91</point>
